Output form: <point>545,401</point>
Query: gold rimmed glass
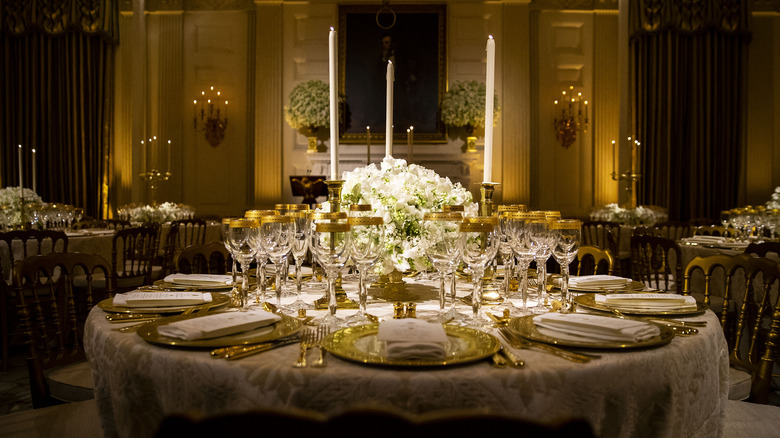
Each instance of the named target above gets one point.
<point>276,238</point>
<point>330,244</point>
<point>567,242</point>
<point>243,237</point>
<point>523,249</point>
<point>261,257</point>
<point>480,245</point>
<point>367,243</point>
<point>542,240</point>
<point>445,243</point>
<point>300,247</point>
<point>225,230</point>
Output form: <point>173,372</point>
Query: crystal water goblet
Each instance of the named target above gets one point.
<point>276,238</point>
<point>367,244</point>
<point>300,247</point>
<point>506,255</point>
<point>480,245</point>
<point>225,231</point>
<point>567,242</point>
<point>261,257</point>
<point>330,243</point>
<point>445,242</point>
<point>243,237</point>
<point>543,243</point>
<point>524,248</point>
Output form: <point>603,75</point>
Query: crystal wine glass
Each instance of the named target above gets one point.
<point>524,249</point>
<point>567,242</point>
<point>366,246</point>
<point>480,245</point>
<point>506,254</point>
<point>277,233</point>
<point>225,230</point>
<point>330,243</point>
<point>243,237</point>
<point>543,242</point>
<point>261,257</point>
<point>300,247</point>
<point>445,243</point>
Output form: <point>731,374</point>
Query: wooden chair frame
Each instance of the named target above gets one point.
<point>209,258</point>
<point>598,256</point>
<point>650,261</point>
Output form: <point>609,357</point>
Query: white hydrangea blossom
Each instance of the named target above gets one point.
<point>165,212</point>
<point>401,194</point>
<point>309,105</point>
<point>464,104</point>
<point>628,216</point>
<point>10,200</point>
<point>774,200</point>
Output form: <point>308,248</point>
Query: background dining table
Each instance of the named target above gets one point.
<point>675,390</point>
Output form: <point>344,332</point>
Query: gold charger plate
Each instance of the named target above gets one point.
<point>162,284</point>
<point>217,300</point>
<point>359,344</point>
<point>525,327</point>
<point>633,286</point>
<point>589,302</point>
<point>286,327</point>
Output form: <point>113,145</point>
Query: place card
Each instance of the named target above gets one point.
<point>413,339</point>
<point>594,327</point>
<point>160,299</point>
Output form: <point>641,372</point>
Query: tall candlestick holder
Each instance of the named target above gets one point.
<point>631,175</point>
<point>153,178</point>
<point>486,203</point>
<point>334,202</point>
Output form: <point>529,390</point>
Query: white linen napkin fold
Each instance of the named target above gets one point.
<point>661,302</point>
<point>413,339</point>
<point>160,299</point>
<point>599,281</point>
<point>705,238</point>
<point>220,324</point>
<point>199,279</point>
<point>594,327</point>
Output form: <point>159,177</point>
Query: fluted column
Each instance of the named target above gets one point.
<point>605,118</point>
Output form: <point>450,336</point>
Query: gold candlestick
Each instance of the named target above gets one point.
<point>631,175</point>
<point>486,203</point>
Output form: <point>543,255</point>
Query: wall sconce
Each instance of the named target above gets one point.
<point>211,121</point>
<point>568,118</point>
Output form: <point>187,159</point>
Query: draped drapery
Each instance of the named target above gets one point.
<point>57,97</point>
<point>688,61</point>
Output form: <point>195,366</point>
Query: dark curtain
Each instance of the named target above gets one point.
<point>688,63</point>
<point>57,92</point>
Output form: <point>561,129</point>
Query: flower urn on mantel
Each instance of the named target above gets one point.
<point>463,106</point>
<point>308,110</point>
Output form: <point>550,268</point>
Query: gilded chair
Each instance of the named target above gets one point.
<point>674,230</point>
<point>132,255</point>
<point>604,235</point>
<point>183,233</point>
<point>90,224</point>
<point>15,246</point>
<point>592,260</point>
<point>657,262</point>
<point>52,312</point>
<point>749,316</point>
<point>713,230</point>
<point>209,258</point>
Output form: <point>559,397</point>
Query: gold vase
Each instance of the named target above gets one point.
<point>312,145</point>
<point>471,144</point>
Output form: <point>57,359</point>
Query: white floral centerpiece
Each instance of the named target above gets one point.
<point>640,215</point>
<point>464,106</point>
<point>10,201</point>
<point>774,200</point>
<point>401,194</point>
<point>165,212</point>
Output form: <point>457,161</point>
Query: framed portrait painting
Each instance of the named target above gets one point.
<point>413,38</point>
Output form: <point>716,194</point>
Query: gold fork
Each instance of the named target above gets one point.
<point>518,342</point>
<point>322,331</point>
<point>307,341</point>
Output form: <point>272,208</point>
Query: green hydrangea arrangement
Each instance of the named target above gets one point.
<point>308,106</point>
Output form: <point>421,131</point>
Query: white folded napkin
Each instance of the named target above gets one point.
<point>705,238</point>
<point>160,299</point>
<point>220,324</point>
<point>593,327</point>
<point>413,339</point>
<point>647,302</point>
<point>199,279</point>
<point>599,281</point>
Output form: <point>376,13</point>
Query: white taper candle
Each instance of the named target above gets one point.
<point>489,87</point>
<point>389,110</point>
<point>334,109</point>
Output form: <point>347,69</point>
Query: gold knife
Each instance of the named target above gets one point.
<point>249,351</point>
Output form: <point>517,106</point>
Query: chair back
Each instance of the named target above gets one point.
<point>52,311</point>
<point>20,244</point>
<point>602,234</point>
<point>750,316</point>
<point>592,260</point>
<point>763,248</point>
<point>132,255</point>
<point>673,230</point>
<point>713,230</point>
<point>209,258</point>
<point>183,233</point>
<point>90,224</point>
<point>657,262</point>
<point>117,224</point>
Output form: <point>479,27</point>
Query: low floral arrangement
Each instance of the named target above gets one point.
<point>165,212</point>
<point>10,205</point>
<point>464,105</point>
<point>774,200</point>
<point>641,215</point>
<point>308,106</point>
<point>401,194</point>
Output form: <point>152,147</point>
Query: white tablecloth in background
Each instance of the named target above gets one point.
<point>678,390</point>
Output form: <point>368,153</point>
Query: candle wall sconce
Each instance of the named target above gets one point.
<point>569,117</point>
<point>210,117</point>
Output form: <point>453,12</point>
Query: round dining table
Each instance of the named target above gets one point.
<point>678,389</point>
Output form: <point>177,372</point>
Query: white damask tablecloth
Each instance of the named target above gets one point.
<point>678,390</point>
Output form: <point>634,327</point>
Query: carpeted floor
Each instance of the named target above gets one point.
<point>15,384</point>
